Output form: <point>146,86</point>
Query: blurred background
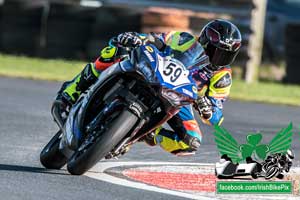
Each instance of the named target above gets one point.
<point>78,29</point>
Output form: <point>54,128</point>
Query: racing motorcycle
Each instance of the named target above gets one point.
<point>276,164</point>
<point>129,100</point>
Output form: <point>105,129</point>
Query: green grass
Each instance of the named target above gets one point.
<point>267,92</point>
<point>60,70</point>
<point>35,68</point>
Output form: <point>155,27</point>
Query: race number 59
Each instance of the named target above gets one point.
<point>172,70</point>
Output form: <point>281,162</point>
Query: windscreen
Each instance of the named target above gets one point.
<point>193,57</point>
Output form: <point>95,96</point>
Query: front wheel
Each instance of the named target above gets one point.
<point>51,157</point>
<point>85,158</point>
<point>271,172</point>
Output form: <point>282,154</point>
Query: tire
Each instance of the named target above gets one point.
<point>254,173</point>
<point>280,176</point>
<point>51,157</point>
<point>271,172</point>
<point>116,130</point>
<point>254,176</point>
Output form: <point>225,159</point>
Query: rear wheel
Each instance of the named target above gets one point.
<point>254,172</point>
<point>51,157</point>
<point>89,154</point>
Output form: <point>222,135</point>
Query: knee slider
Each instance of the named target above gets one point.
<point>193,142</point>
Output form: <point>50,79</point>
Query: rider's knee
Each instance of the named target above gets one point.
<point>192,141</point>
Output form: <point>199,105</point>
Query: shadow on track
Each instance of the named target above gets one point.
<point>41,170</point>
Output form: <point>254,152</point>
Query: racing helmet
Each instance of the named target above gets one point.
<point>221,41</point>
<point>290,154</point>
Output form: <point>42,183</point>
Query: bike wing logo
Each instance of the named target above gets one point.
<point>227,145</point>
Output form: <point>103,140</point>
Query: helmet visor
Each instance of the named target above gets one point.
<point>222,57</point>
<point>213,35</point>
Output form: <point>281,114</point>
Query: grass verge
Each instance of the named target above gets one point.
<point>267,92</point>
<point>60,70</point>
<point>36,68</point>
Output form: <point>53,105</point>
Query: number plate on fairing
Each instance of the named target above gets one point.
<point>173,72</point>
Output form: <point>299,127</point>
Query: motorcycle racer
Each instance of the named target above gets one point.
<point>221,41</point>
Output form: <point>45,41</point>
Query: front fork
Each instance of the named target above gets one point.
<point>108,110</point>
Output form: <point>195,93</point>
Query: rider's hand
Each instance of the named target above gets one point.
<point>154,39</point>
<point>205,107</point>
<point>129,39</point>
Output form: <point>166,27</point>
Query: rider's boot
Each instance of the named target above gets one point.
<point>80,83</point>
<point>150,137</point>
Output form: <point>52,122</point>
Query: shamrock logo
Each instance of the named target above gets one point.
<point>253,146</point>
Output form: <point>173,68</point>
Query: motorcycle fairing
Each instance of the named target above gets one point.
<point>72,134</point>
<point>171,73</point>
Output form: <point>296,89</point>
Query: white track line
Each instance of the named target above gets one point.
<point>102,166</point>
<point>97,173</point>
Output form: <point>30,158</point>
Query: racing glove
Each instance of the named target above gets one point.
<point>129,39</point>
<point>154,39</point>
<point>205,107</point>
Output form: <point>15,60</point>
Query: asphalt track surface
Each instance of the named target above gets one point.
<point>26,126</point>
